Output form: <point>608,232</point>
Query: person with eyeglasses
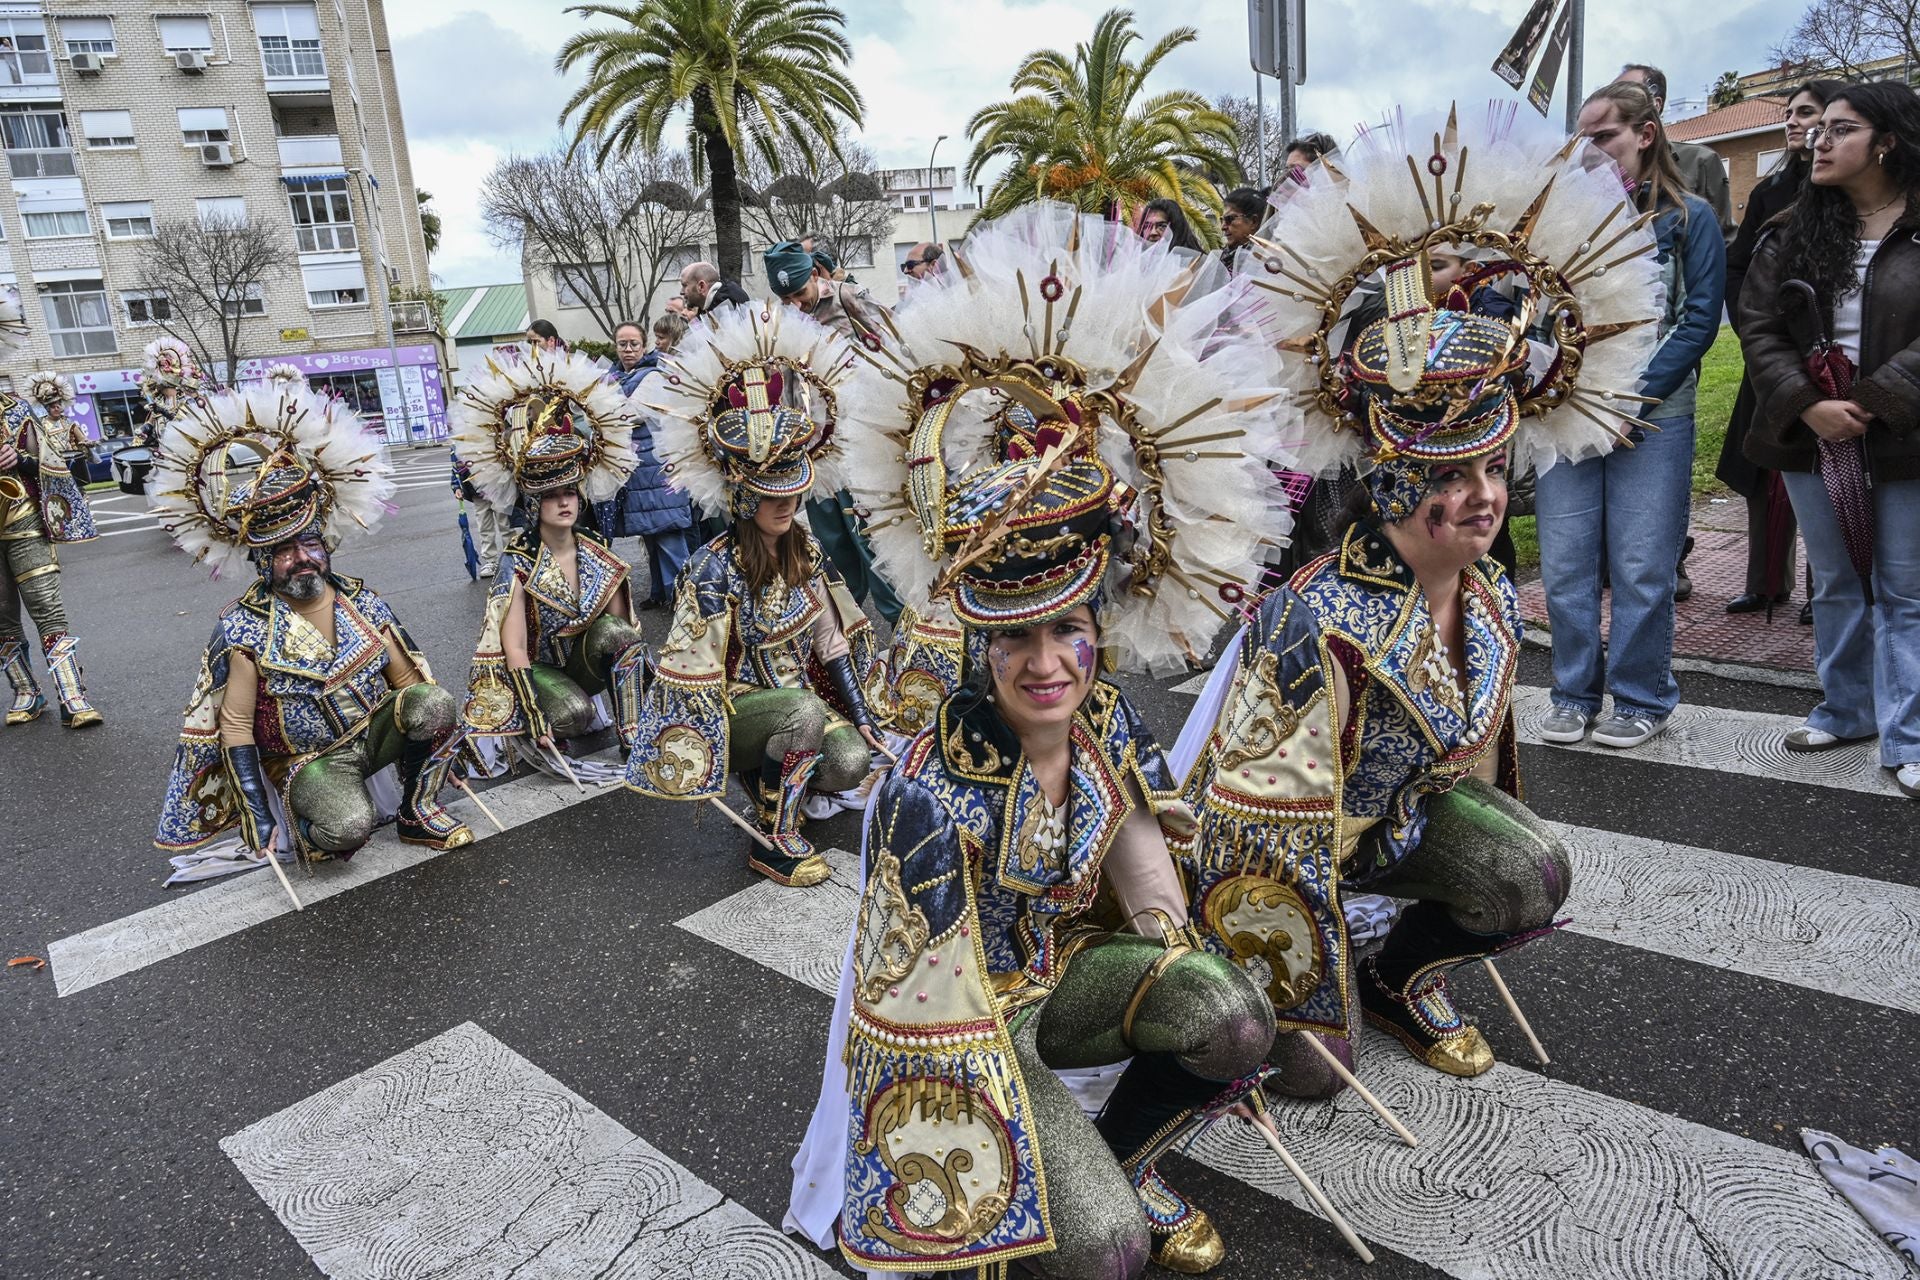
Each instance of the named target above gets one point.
<point>1844,269</point>
<point>1164,222</point>
<point>922,261</point>
<point>1239,219</point>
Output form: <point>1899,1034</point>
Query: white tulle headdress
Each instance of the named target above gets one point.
<point>283,373</point>
<point>1545,221</point>
<point>749,407</point>
<point>167,364</point>
<point>551,420</point>
<point>1070,416</point>
<point>243,471</point>
<point>51,391</point>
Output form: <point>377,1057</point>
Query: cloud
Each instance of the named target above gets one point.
<point>470,77</point>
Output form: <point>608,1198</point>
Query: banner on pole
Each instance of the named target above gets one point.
<point>1514,60</point>
<point>1541,92</point>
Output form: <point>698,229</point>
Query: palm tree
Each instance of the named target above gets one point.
<point>1079,131</point>
<point>751,72</point>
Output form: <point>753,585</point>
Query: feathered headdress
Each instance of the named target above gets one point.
<point>51,391</point>
<point>247,470</point>
<point>284,374</point>
<point>749,407</point>
<point>168,363</point>
<point>1072,409</point>
<point>1546,219</point>
<point>547,421</point>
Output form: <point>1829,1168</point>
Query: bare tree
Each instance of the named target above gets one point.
<point>212,274</point>
<point>836,199</point>
<point>1246,124</point>
<point>1844,36</point>
<point>609,232</point>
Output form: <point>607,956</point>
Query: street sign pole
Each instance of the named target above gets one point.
<point>1576,63</point>
<point>1277,47</point>
<point>1260,115</point>
<point>1287,14</point>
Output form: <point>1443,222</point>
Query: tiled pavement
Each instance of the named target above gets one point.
<point>1703,628</point>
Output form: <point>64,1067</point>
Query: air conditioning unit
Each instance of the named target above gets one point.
<point>87,64</point>
<point>191,61</point>
<point>216,155</point>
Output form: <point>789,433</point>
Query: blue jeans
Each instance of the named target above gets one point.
<point>1628,511</point>
<point>666,552</point>
<point>1869,658</point>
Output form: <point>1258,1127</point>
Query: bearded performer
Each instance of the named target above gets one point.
<point>766,668</point>
<point>310,693</point>
<point>40,506</point>
<point>1021,911</point>
<point>548,435</point>
<point>1359,734</point>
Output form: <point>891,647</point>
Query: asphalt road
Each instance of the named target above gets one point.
<point>484,1060</point>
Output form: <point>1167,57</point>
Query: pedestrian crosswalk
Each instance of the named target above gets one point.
<point>459,1157</point>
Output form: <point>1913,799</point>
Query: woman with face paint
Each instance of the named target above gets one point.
<point>558,655</point>
<point>1359,735</point>
<point>766,669</point>
<point>1021,910</point>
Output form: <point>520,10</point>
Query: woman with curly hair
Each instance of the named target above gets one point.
<point>1843,269</point>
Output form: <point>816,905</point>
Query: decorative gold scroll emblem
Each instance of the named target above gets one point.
<point>952,1161</point>
<point>681,760</point>
<point>892,933</point>
<point>490,704</point>
<point>1266,927</point>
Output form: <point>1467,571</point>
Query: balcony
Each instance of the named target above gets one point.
<point>27,75</point>
<point>41,162</point>
<point>411,316</point>
<point>312,149</point>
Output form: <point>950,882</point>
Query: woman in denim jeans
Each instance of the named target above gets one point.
<point>1626,513</point>
<point>1853,240</point>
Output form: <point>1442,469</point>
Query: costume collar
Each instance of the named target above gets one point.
<point>294,646</point>
<point>600,572</point>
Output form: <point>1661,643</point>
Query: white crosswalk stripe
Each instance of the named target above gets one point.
<point>1518,1177</point>
<point>460,1159</point>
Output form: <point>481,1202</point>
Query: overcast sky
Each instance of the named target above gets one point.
<point>477,80</point>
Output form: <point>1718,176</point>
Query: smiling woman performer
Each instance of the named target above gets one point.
<point>1021,912</point>
<point>1361,731</point>
<point>766,666</point>
<point>548,435</point>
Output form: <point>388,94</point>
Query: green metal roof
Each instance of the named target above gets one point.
<point>500,310</point>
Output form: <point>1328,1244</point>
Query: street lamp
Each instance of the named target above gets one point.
<point>933,219</point>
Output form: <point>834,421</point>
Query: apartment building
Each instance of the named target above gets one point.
<point>117,118</point>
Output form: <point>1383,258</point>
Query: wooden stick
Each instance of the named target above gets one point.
<point>741,823</point>
<point>565,768</point>
<point>474,796</point>
<point>285,883</point>
<point>1513,1007</point>
<point>1366,1095</point>
<point>1312,1188</point>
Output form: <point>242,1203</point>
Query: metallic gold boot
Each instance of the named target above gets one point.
<point>778,791</point>
<point>28,701</point>
<point>63,664</point>
<point>1425,1020</point>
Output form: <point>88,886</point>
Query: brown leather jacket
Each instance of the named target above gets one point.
<point>1777,329</point>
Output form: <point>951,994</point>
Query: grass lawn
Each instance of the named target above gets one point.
<point>1719,385</point>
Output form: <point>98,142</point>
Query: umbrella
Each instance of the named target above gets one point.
<point>1778,540</point>
<point>1843,463</point>
<point>466,544</point>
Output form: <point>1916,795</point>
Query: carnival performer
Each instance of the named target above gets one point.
<point>766,667</point>
<point>170,382</point>
<point>1359,735</point>
<point>40,506</point>
<point>1021,912</point>
<point>311,696</point>
<point>549,435</point>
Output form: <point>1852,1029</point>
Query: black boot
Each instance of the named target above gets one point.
<point>777,794</point>
<point>1154,1106</point>
<point>1403,989</point>
<point>422,820</point>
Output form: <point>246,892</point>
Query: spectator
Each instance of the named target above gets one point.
<point>492,523</point>
<point>922,261</point>
<point>1769,558</point>
<point>542,336</point>
<point>1625,515</point>
<point>1846,263</point>
<point>1164,221</point>
<point>646,507</point>
<point>1701,168</point>
<point>702,289</point>
<point>677,306</point>
<point>1307,149</point>
<point>1239,219</point>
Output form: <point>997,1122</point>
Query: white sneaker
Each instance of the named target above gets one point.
<point>1626,729</point>
<point>1907,778</point>
<point>1565,726</point>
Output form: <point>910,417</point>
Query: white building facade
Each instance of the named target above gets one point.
<point>115,118</point>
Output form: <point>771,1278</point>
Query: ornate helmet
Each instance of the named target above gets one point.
<point>1547,228</point>
<point>244,471</point>
<point>168,365</point>
<point>51,391</point>
<point>550,421</point>
<point>1101,436</point>
<point>748,408</point>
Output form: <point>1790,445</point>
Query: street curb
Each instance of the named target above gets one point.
<point>1538,637</point>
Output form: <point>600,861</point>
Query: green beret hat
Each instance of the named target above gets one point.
<point>788,267</point>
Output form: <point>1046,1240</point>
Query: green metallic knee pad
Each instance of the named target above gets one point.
<point>1516,863</point>
<point>605,639</point>
<point>425,711</point>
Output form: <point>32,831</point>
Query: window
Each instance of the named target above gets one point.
<point>322,216</point>
<point>120,412</point>
<point>575,283</point>
<point>88,35</point>
<point>128,219</point>
<point>106,129</point>
<point>1767,161</point>
<point>221,211</point>
<point>289,39</point>
<point>679,258</point>
<point>856,252</point>
<point>23,51</point>
<point>146,308</point>
<point>201,125</point>
<point>321,298</point>
<point>251,302</point>
<point>335,284</point>
<point>78,319</point>
<point>360,391</point>
<point>178,35</point>
<point>53,223</point>
<point>37,143</point>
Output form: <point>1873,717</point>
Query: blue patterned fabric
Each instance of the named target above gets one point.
<point>647,505</point>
